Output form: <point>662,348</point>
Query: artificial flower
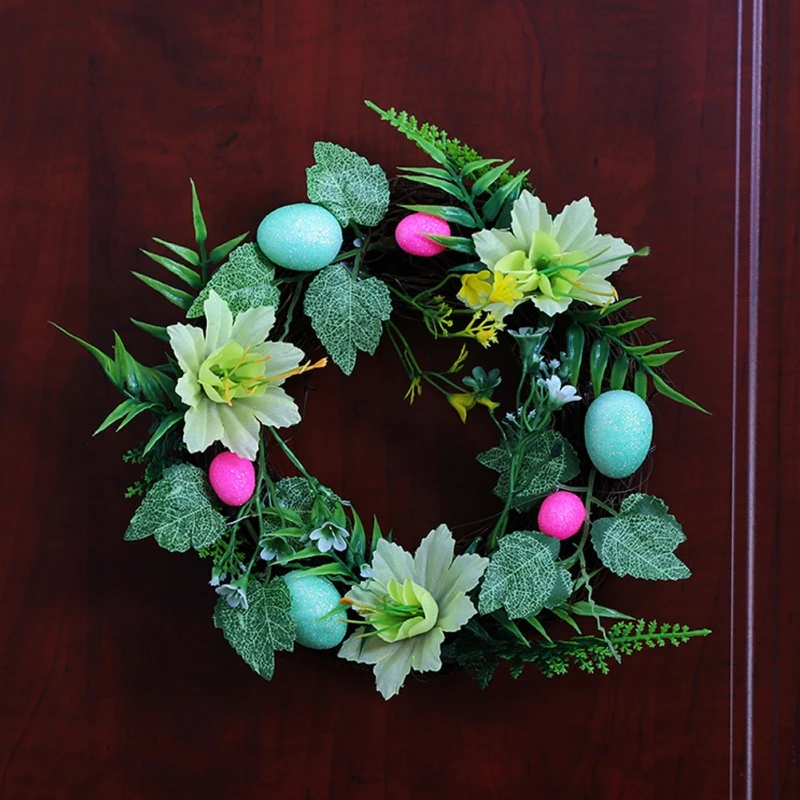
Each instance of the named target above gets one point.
<point>235,593</point>
<point>552,261</point>
<point>276,548</point>
<point>466,402</point>
<point>559,395</point>
<point>329,535</point>
<point>408,605</point>
<point>232,376</point>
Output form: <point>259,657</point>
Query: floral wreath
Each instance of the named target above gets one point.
<point>467,248</point>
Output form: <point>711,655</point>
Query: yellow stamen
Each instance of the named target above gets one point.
<point>299,370</point>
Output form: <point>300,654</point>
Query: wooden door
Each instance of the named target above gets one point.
<point>679,119</point>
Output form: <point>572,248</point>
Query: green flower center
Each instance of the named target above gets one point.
<point>406,610</point>
<point>232,371</point>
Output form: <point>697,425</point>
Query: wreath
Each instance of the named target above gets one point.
<point>466,248</point>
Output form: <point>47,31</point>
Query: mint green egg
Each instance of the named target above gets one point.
<point>318,616</point>
<point>618,431</point>
<point>302,237</point>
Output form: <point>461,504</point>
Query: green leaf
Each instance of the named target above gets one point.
<point>659,359</point>
<point>459,244</point>
<point>626,327</point>
<point>490,177</point>
<point>619,372</point>
<point>644,349</point>
<point>550,460</point>
<point>294,493</point>
<point>537,626</point>
<point>326,569</point>
<point>178,511</point>
<point>520,577</point>
<point>432,172</point>
<point>108,364</point>
<point>159,331</point>
<point>446,186</point>
<point>451,213</point>
<point>574,353</point>
<point>619,305</point>
<point>584,609</point>
<point>662,387</point>
<point>640,384</point>
<point>640,541</point>
<point>175,296</point>
<point>563,614</point>
<point>200,230</point>
<point>152,383</point>
<point>118,413</point>
<point>347,185</point>
<point>265,626</point>
<point>188,255</point>
<point>346,314</point>
<point>475,166</point>
<point>218,253</point>
<point>246,280</point>
<point>598,361</point>
<point>186,274</point>
<point>562,589</point>
<point>133,413</point>
<point>163,427</point>
<point>494,205</point>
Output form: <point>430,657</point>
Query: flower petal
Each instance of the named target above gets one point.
<point>463,575</point>
<point>575,226</point>
<point>391,672</point>
<point>253,325</point>
<point>202,426</point>
<point>609,249</point>
<point>455,614</point>
<point>218,322</point>
<point>426,655</point>
<point>188,389</point>
<point>551,306</point>
<point>529,214</point>
<point>274,408</point>
<point>433,558</point>
<point>281,357</point>
<point>240,430</point>
<point>492,245</point>
<point>391,562</point>
<point>188,344</point>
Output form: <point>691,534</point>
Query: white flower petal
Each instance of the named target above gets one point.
<point>529,214</point>
<point>426,655</point>
<point>219,322</point>
<point>550,306</point>
<point>281,357</point>
<point>189,390</point>
<point>188,344</point>
<point>492,245</point>
<point>463,575</point>
<point>240,430</point>
<point>456,614</point>
<point>202,427</point>
<point>609,249</point>
<point>253,325</point>
<point>391,672</point>
<point>351,649</point>
<point>595,290</point>
<point>433,557</point>
<point>274,408</point>
<point>392,562</point>
<point>575,227</point>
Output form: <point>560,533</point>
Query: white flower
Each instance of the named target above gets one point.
<point>560,395</point>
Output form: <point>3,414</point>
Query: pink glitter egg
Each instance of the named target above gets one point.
<point>561,515</point>
<point>232,478</point>
<point>410,234</point>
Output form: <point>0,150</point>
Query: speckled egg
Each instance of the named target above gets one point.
<point>411,234</point>
<point>232,478</point>
<point>313,600</point>
<point>302,237</point>
<point>618,431</point>
<point>561,515</point>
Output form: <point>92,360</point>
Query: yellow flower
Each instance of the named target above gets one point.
<point>462,403</point>
<point>505,289</point>
<point>475,288</point>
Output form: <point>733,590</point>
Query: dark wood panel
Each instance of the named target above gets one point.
<point>115,682</point>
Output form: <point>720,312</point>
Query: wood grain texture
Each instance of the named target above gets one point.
<point>115,683</point>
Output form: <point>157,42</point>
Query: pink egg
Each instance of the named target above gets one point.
<point>410,234</point>
<point>232,478</point>
<point>561,515</point>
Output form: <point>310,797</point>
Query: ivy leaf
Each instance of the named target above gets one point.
<point>549,461</point>
<point>294,493</point>
<point>245,280</point>
<point>562,589</point>
<point>347,185</point>
<point>640,540</point>
<point>346,314</point>
<point>521,576</point>
<point>265,626</point>
<point>178,511</point>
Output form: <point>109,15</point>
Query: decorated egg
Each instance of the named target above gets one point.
<point>561,515</point>
<point>232,478</point>
<point>318,616</point>
<point>302,237</point>
<point>618,431</point>
<point>411,234</point>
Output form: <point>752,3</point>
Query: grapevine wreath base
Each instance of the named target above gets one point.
<point>465,248</point>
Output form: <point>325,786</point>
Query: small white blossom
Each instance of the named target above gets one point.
<point>560,395</point>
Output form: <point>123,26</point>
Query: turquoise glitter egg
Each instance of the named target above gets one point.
<point>313,601</point>
<point>618,431</point>
<point>302,237</point>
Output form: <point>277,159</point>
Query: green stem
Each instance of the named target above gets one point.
<point>291,456</point>
<point>587,504</point>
